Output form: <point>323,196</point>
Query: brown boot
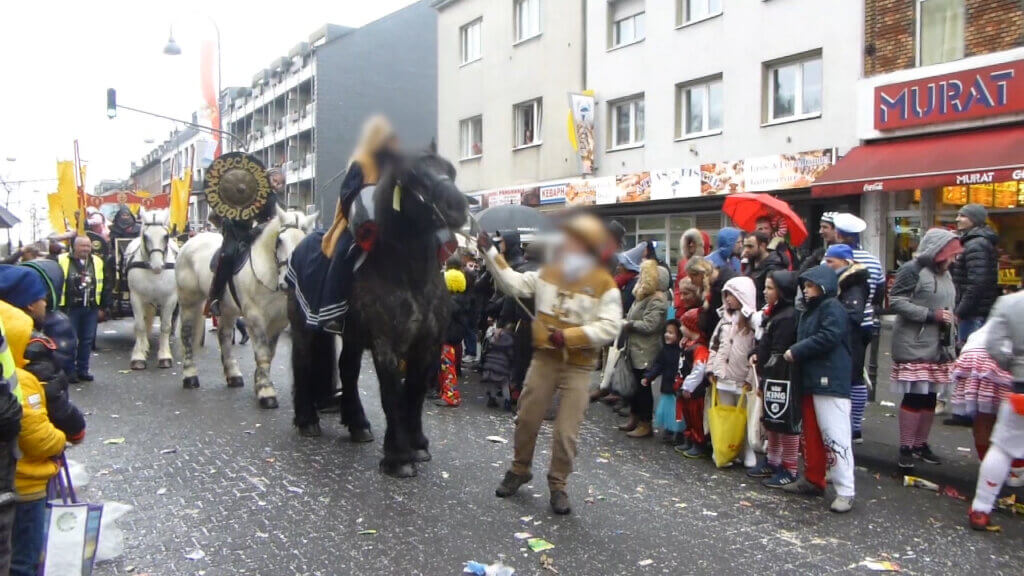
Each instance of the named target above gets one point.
<point>642,430</point>
<point>611,398</point>
<point>598,394</point>
<point>630,424</point>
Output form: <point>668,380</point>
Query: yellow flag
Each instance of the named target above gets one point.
<point>67,189</point>
<point>180,189</point>
<point>56,213</point>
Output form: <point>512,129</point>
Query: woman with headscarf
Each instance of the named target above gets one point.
<point>923,297</point>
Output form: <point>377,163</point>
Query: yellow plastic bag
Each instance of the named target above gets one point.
<point>728,426</point>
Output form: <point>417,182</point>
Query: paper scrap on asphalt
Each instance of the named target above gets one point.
<point>709,513</point>
<point>548,563</point>
<point>962,449</point>
<point>196,554</point>
<point>124,371</point>
<point>114,441</point>
<point>161,491</point>
<point>993,528</point>
<point>169,451</point>
<point>539,544</point>
<point>445,475</point>
<point>496,440</point>
<point>295,489</point>
<point>920,483</point>
<point>887,404</point>
<point>646,562</point>
<point>881,566</point>
<point>369,532</point>
<point>522,535</point>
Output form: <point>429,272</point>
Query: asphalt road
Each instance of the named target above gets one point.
<point>207,470</point>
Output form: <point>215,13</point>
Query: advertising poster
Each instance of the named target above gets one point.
<point>552,194</point>
<point>590,192</point>
<point>675,183</point>
<point>582,108</point>
<point>504,197</point>
<point>633,187</point>
<point>786,171</point>
<point>721,178</point>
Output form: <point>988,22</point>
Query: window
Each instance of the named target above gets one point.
<point>527,127</point>
<point>794,89</point>
<point>527,16</point>
<point>628,30</point>
<point>699,108</point>
<point>471,137</point>
<point>627,120</point>
<point>940,31</point>
<point>693,10</point>
<point>470,35</point>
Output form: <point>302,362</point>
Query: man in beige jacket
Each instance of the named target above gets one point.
<point>578,311</point>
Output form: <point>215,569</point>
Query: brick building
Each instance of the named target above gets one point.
<point>940,115</point>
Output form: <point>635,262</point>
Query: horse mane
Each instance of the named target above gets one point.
<point>267,238</point>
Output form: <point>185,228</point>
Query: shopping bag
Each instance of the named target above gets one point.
<point>781,397</point>
<point>623,380</point>
<point>728,426</point>
<point>71,531</point>
<point>756,436</point>
<point>615,354</point>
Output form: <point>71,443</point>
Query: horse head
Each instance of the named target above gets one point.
<point>421,188</point>
<point>155,239</point>
<point>278,240</point>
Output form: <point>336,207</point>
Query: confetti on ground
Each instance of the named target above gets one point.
<point>646,562</point>
<point>445,475</point>
<point>114,441</point>
<point>161,491</point>
<point>539,544</point>
<point>522,535</point>
<point>680,505</point>
<point>877,566</point>
<point>887,404</point>
<point>196,554</point>
<point>962,449</point>
<point>295,489</point>
<point>370,532</point>
<point>993,528</point>
<point>548,563</point>
<point>746,504</point>
<point>496,440</point>
<point>709,513</point>
<point>602,460</point>
<point>169,451</point>
<point>124,371</point>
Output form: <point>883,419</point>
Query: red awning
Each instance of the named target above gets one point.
<point>979,157</point>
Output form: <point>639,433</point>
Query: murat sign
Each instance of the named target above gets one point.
<point>965,95</point>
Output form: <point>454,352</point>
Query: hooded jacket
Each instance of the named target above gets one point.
<point>759,271</point>
<point>1005,338</point>
<point>40,441</point>
<point>821,352</point>
<point>778,322</point>
<point>646,318</point>
<point>976,273</point>
<point>723,255</point>
<point>733,340</point>
<point>702,243</point>
<point>853,295</point>
<point>918,294</point>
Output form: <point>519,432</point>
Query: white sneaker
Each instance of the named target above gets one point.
<point>940,407</point>
<point>1016,478</point>
<point>841,505</point>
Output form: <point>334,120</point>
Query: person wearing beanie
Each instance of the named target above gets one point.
<point>578,311</point>
<point>829,236</point>
<point>451,351</point>
<point>975,271</point>
<point>923,350</point>
<point>23,288</point>
<point>853,295</point>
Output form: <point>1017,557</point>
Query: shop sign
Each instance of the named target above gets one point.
<point>965,95</point>
<point>675,183</point>
<point>591,191</point>
<point>721,178</point>
<point>506,197</point>
<point>552,194</point>
<point>785,171</point>
<point>633,187</point>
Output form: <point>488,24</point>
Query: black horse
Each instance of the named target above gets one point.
<point>399,310</point>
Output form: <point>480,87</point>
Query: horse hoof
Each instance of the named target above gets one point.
<point>398,470</point>
<point>361,435</point>
<point>421,455</point>
<point>190,382</point>
<point>236,381</point>
<point>268,403</point>
<point>161,363</point>
<point>138,365</point>
<point>310,430</point>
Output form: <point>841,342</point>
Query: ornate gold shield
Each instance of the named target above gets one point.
<point>236,186</point>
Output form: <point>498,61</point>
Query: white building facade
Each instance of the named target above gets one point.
<point>505,69</point>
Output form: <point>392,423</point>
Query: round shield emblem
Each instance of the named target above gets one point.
<point>236,186</point>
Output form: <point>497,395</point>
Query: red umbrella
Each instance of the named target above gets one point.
<point>745,209</point>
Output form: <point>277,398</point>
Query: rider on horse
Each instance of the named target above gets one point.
<point>324,298</point>
<point>238,235</point>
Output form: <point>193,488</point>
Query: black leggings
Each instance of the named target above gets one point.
<point>919,402</point>
<point>642,403</point>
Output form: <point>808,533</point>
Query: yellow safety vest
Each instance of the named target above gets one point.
<point>97,263</point>
<point>10,375</point>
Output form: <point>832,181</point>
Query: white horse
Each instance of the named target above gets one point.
<point>261,295</point>
<point>149,263</point>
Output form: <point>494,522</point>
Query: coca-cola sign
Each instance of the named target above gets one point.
<point>965,95</point>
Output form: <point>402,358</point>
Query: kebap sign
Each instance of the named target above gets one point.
<point>965,95</point>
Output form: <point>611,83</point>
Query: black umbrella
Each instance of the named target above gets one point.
<point>512,218</point>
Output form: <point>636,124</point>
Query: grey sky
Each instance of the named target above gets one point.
<point>61,56</point>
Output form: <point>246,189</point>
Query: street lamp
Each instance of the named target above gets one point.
<point>172,48</point>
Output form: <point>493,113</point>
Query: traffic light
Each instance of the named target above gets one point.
<point>111,103</point>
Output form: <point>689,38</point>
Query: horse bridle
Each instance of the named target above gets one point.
<point>147,252</point>
<point>277,260</point>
